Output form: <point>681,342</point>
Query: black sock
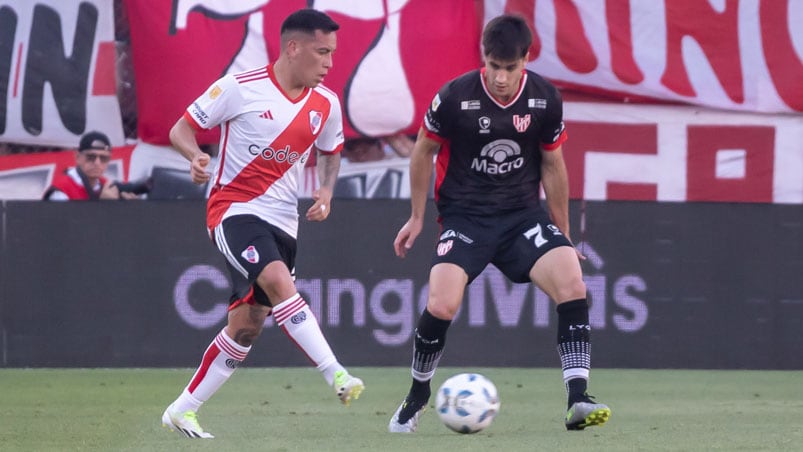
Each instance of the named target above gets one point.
<point>430,338</point>
<point>574,347</point>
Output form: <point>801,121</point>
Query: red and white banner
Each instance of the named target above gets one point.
<point>391,58</point>
<point>730,54</point>
<point>679,153</point>
<point>57,72</point>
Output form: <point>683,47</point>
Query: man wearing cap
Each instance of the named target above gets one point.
<point>85,180</point>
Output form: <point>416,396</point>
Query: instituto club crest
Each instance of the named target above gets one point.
<point>521,122</point>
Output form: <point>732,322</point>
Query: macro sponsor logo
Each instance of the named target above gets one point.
<point>498,158</point>
<point>278,155</point>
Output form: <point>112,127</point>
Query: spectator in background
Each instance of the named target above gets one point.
<point>370,149</point>
<point>85,181</point>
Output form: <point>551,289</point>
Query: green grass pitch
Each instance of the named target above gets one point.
<point>293,409</point>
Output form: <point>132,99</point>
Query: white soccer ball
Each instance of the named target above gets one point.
<point>467,403</point>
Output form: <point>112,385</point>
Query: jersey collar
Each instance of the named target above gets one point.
<point>275,81</point>
<point>497,101</point>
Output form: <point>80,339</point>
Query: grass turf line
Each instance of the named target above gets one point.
<point>293,409</point>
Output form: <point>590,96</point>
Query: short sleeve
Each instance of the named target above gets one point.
<point>553,132</point>
<point>331,136</point>
<point>435,121</point>
<point>220,102</point>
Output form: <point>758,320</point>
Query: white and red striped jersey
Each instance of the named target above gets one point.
<point>265,141</point>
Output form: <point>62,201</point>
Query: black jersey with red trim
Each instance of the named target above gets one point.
<point>490,156</point>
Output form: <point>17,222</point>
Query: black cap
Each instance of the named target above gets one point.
<point>94,140</point>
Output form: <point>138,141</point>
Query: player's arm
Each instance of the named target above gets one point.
<point>328,166</point>
<point>421,163</point>
<point>555,180</point>
<point>182,136</point>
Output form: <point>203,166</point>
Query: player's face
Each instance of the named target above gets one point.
<point>503,76</point>
<point>314,57</point>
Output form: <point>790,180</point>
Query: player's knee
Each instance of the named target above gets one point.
<point>571,290</point>
<point>246,336</point>
<point>442,311</point>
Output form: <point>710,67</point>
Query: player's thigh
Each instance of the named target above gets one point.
<point>447,283</point>
<point>559,275</point>
<point>466,243</point>
<point>259,255</point>
<point>529,236</point>
<point>463,251</point>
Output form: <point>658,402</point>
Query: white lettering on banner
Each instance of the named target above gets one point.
<point>393,304</point>
<point>735,55</point>
<point>195,318</point>
<point>673,151</point>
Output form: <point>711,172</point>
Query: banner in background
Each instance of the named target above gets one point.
<point>391,57</point>
<point>679,285</point>
<point>735,55</point>
<point>614,152</point>
<point>57,72</point>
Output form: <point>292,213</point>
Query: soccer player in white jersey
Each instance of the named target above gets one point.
<point>271,119</point>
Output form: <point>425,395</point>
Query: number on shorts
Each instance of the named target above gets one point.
<point>538,234</point>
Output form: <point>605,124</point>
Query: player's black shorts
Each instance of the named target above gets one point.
<point>512,242</point>
<point>249,244</point>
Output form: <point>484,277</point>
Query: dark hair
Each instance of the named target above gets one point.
<point>507,38</point>
<point>308,20</point>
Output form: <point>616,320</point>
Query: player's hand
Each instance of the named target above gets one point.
<point>320,209</point>
<point>198,169</point>
<point>406,237</point>
<point>579,253</point>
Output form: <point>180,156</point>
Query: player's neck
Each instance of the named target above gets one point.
<point>291,87</point>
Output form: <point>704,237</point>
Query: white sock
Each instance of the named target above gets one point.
<point>220,360</point>
<point>300,325</point>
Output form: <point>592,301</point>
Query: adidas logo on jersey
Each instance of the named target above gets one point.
<point>266,115</point>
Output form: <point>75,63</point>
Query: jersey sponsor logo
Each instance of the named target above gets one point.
<point>436,102</point>
<point>315,118</point>
<point>521,122</point>
<point>451,233</point>
<point>279,155</point>
<point>250,254</point>
<point>485,124</point>
<point>448,234</point>
<point>554,229</point>
<point>445,247</point>
<point>198,113</point>
<point>215,92</point>
<point>558,131</point>
<point>536,103</point>
<point>498,157</point>
<point>431,123</point>
<point>470,105</point>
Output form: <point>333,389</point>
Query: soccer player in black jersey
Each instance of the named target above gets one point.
<point>497,133</point>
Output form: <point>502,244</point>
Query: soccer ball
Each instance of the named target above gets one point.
<point>467,403</point>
